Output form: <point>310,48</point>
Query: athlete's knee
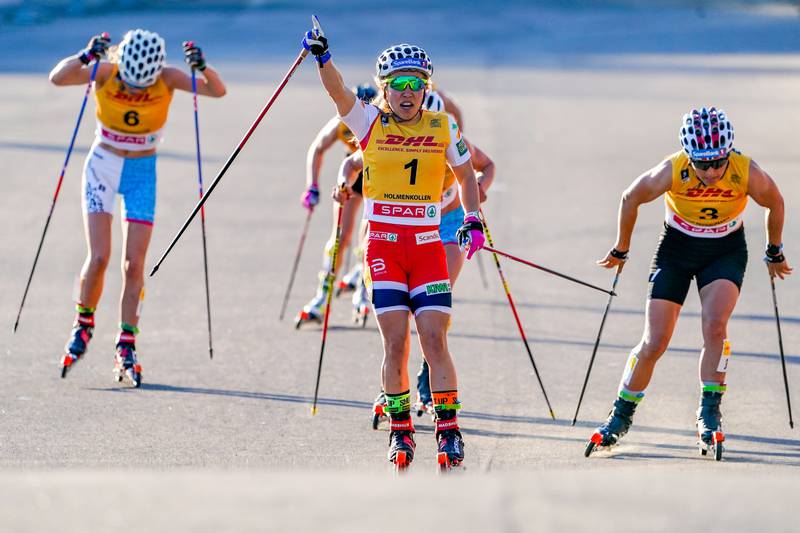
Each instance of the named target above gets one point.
<point>394,346</point>
<point>97,262</point>
<point>133,268</point>
<point>652,348</point>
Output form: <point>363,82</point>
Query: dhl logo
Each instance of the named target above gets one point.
<point>711,192</point>
<point>143,98</point>
<point>410,141</point>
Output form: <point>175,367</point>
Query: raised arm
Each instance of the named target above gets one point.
<point>644,189</point>
<point>342,97</point>
<point>765,192</point>
<point>208,84</point>
<point>76,69</point>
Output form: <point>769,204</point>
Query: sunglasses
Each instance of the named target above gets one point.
<point>705,165</point>
<point>400,83</point>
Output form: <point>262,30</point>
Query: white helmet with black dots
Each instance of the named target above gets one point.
<point>706,134</point>
<point>141,57</point>
<point>433,102</point>
<point>403,57</point>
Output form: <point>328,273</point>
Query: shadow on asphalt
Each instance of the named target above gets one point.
<point>367,406</point>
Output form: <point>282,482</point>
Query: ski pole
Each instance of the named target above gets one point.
<point>232,157</point>
<point>296,262</point>
<point>202,209</point>
<point>780,346</point>
<point>516,315</point>
<point>329,282</point>
<point>58,187</point>
<point>549,271</point>
<point>482,270</point>
<point>597,341</point>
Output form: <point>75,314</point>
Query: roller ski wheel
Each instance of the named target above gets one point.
<point>127,367</point>
<point>715,445</point>
<point>378,411</point>
<point>349,282</point>
<point>307,316</point>
<point>595,442</point>
<point>343,287</point>
<point>77,344</point>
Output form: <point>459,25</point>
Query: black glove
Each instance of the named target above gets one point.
<point>96,49</point>
<point>317,45</point>
<point>193,56</point>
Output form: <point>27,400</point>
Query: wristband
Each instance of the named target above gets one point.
<point>616,254</point>
<point>472,214</point>
<point>774,249</point>
<point>85,58</point>
<point>774,254</point>
<point>324,58</point>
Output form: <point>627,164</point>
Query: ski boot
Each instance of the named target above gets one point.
<point>618,423</point>
<point>126,365</point>
<point>313,311</point>
<point>451,444</point>
<point>424,403</point>
<point>379,410</point>
<point>709,425</point>
<point>350,281</point>
<point>78,342</point>
<point>401,443</point>
<point>360,305</point>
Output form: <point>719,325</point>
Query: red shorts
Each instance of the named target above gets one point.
<point>406,269</point>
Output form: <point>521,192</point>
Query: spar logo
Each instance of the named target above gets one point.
<point>382,236</point>
<point>400,140</point>
<point>404,211</point>
<point>711,192</point>
<point>437,287</point>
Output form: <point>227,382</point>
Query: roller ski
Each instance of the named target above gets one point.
<point>450,445</point>
<point>78,342</point>
<point>401,444</point>
<point>709,425</point>
<point>313,311</point>
<point>350,282</point>
<point>618,423</point>
<point>379,410</point>
<point>360,305</point>
<point>126,365</point>
<point>424,407</point>
<point>424,403</point>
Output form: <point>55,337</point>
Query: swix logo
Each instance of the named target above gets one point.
<point>409,141</point>
<point>404,211</point>
<point>143,98</point>
<point>711,192</point>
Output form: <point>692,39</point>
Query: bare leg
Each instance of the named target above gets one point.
<point>396,335</point>
<point>718,299</point>
<point>432,331</point>
<point>134,249</point>
<point>660,319</point>
<point>455,260</point>
<point>97,227</point>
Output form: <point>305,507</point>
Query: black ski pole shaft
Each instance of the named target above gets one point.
<point>202,212</point>
<point>296,263</point>
<point>516,316</point>
<point>780,346</point>
<point>597,342</point>
<point>329,281</point>
<point>232,158</point>
<point>58,189</point>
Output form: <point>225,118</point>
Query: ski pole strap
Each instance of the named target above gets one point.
<point>446,401</point>
<point>616,254</point>
<point>774,254</point>
<point>398,403</point>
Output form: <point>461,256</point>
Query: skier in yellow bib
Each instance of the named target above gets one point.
<point>133,96</point>
<point>707,185</point>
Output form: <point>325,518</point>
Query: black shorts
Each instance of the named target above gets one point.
<point>680,257</point>
<point>358,183</point>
